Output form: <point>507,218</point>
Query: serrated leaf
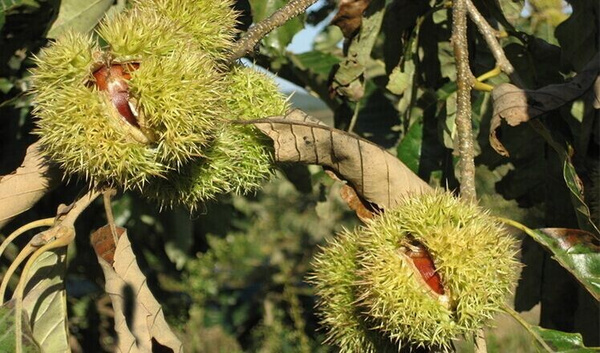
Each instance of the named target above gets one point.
<point>45,301</point>
<point>80,16</point>
<point>7,331</point>
<point>574,249</point>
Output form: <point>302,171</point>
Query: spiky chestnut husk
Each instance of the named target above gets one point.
<point>240,158</point>
<point>471,253</point>
<point>174,90</point>
<point>335,281</point>
<point>211,23</point>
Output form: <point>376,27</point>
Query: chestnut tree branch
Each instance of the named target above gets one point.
<point>490,35</point>
<point>465,80</point>
<point>258,31</point>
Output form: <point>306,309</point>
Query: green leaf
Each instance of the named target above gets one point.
<point>315,62</point>
<point>45,301</point>
<point>347,79</point>
<point>401,78</point>
<point>80,16</point>
<point>574,250</point>
<point>7,331</point>
<point>409,149</point>
<point>551,340</point>
<point>560,341</point>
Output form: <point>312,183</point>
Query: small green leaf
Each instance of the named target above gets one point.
<point>562,341</point>
<point>401,78</point>
<point>80,16</point>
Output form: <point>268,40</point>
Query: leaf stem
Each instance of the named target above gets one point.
<point>47,222</point>
<point>258,31</point>
<point>515,315</point>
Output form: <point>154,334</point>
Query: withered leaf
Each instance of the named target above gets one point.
<point>139,319</point>
<point>517,106</point>
<point>349,16</point>
<point>363,209</point>
<point>20,190</point>
<point>376,175</point>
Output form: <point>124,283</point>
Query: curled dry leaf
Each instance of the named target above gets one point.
<point>349,16</point>
<point>20,190</point>
<point>376,175</point>
<point>364,210</point>
<point>517,106</point>
<point>139,320</point>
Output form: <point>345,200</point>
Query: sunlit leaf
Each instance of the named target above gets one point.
<point>46,300</point>
<point>574,249</point>
<point>7,331</point>
<point>79,16</point>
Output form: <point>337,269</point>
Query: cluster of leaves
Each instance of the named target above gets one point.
<point>232,278</point>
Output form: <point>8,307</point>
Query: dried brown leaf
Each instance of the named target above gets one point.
<point>139,319</point>
<point>376,175</point>
<point>349,16</point>
<point>516,106</point>
<point>20,190</point>
<point>364,210</point>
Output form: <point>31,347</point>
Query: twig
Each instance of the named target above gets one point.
<point>515,315</point>
<point>258,31</point>
<point>490,35</point>
<point>465,79</point>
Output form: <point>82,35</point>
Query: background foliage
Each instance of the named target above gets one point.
<point>231,276</point>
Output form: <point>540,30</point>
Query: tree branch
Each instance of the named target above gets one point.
<point>490,36</point>
<point>465,79</point>
<point>258,31</point>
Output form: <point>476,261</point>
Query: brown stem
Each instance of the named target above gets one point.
<point>464,80</point>
<point>491,38</point>
<point>258,31</point>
